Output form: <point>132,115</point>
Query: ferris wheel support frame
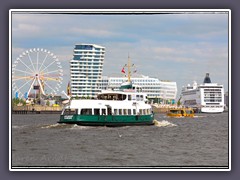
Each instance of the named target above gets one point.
<point>40,84</point>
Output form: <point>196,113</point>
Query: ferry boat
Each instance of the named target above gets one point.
<point>126,106</point>
<point>181,112</point>
<point>207,97</point>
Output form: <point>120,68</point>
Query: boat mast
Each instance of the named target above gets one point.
<point>129,69</point>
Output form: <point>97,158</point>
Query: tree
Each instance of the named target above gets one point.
<point>47,103</point>
<point>22,101</point>
<point>15,101</point>
<point>179,101</point>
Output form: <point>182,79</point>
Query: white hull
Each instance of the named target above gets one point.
<point>212,110</point>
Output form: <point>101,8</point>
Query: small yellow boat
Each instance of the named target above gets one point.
<point>181,112</point>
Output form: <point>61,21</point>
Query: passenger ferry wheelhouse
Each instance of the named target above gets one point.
<point>207,97</point>
<point>126,106</point>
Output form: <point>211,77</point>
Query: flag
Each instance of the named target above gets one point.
<point>26,95</point>
<point>123,71</point>
<point>16,95</point>
<point>68,89</point>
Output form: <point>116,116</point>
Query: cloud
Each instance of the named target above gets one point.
<point>27,28</point>
<point>91,32</point>
<point>163,50</point>
<point>26,31</point>
<point>177,47</point>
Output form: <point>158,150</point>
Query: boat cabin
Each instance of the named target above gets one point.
<point>111,103</point>
<point>180,112</point>
<point>107,111</point>
<point>129,96</point>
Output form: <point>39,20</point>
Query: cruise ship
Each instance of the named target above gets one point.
<point>207,97</point>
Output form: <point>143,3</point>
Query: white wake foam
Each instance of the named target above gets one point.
<point>163,123</point>
<point>75,126</point>
<point>57,125</point>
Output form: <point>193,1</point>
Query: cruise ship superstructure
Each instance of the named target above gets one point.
<point>207,97</point>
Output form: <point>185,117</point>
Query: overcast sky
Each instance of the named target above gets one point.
<point>175,47</point>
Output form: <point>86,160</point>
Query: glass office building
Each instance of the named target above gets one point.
<point>157,90</point>
<point>86,70</point>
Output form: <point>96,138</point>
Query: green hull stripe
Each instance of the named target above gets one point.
<point>109,119</point>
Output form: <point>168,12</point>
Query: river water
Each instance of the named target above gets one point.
<point>202,142</point>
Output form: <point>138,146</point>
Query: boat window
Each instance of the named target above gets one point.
<point>182,112</point>
<point>103,111</point>
<point>129,112</point>
<point>125,111</point>
<point>144,111</point>
<point>189,112</point>
<point>175,111</point>
<point>109,111</point>
<point>103,97</point>
<point>129,97</point>
<point>115,112</point>
<point>133,97</point>
<point>86,112</point>
<point>148,111</point>
<point>96,111</point>
<point>70,111</point>
<point>121,97</point>
<point>112,97</point>
<point>137,98</point>
<point>134,111</point>
<point>140,111</point>
<point>120,111</point>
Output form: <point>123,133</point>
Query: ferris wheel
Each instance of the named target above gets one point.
<point>36,71</point>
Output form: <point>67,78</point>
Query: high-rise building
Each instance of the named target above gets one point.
<point>86,70</point>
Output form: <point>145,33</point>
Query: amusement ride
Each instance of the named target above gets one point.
<point>36,73</point>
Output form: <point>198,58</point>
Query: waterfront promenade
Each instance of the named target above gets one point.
<point>36,109</point>
<point>39,109</point>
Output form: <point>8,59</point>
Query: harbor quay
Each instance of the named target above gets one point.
<point>41,109</point>
<point>36,109</point>
<point>160,108</point>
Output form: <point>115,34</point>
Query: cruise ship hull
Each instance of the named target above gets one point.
<point>212,110</point>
